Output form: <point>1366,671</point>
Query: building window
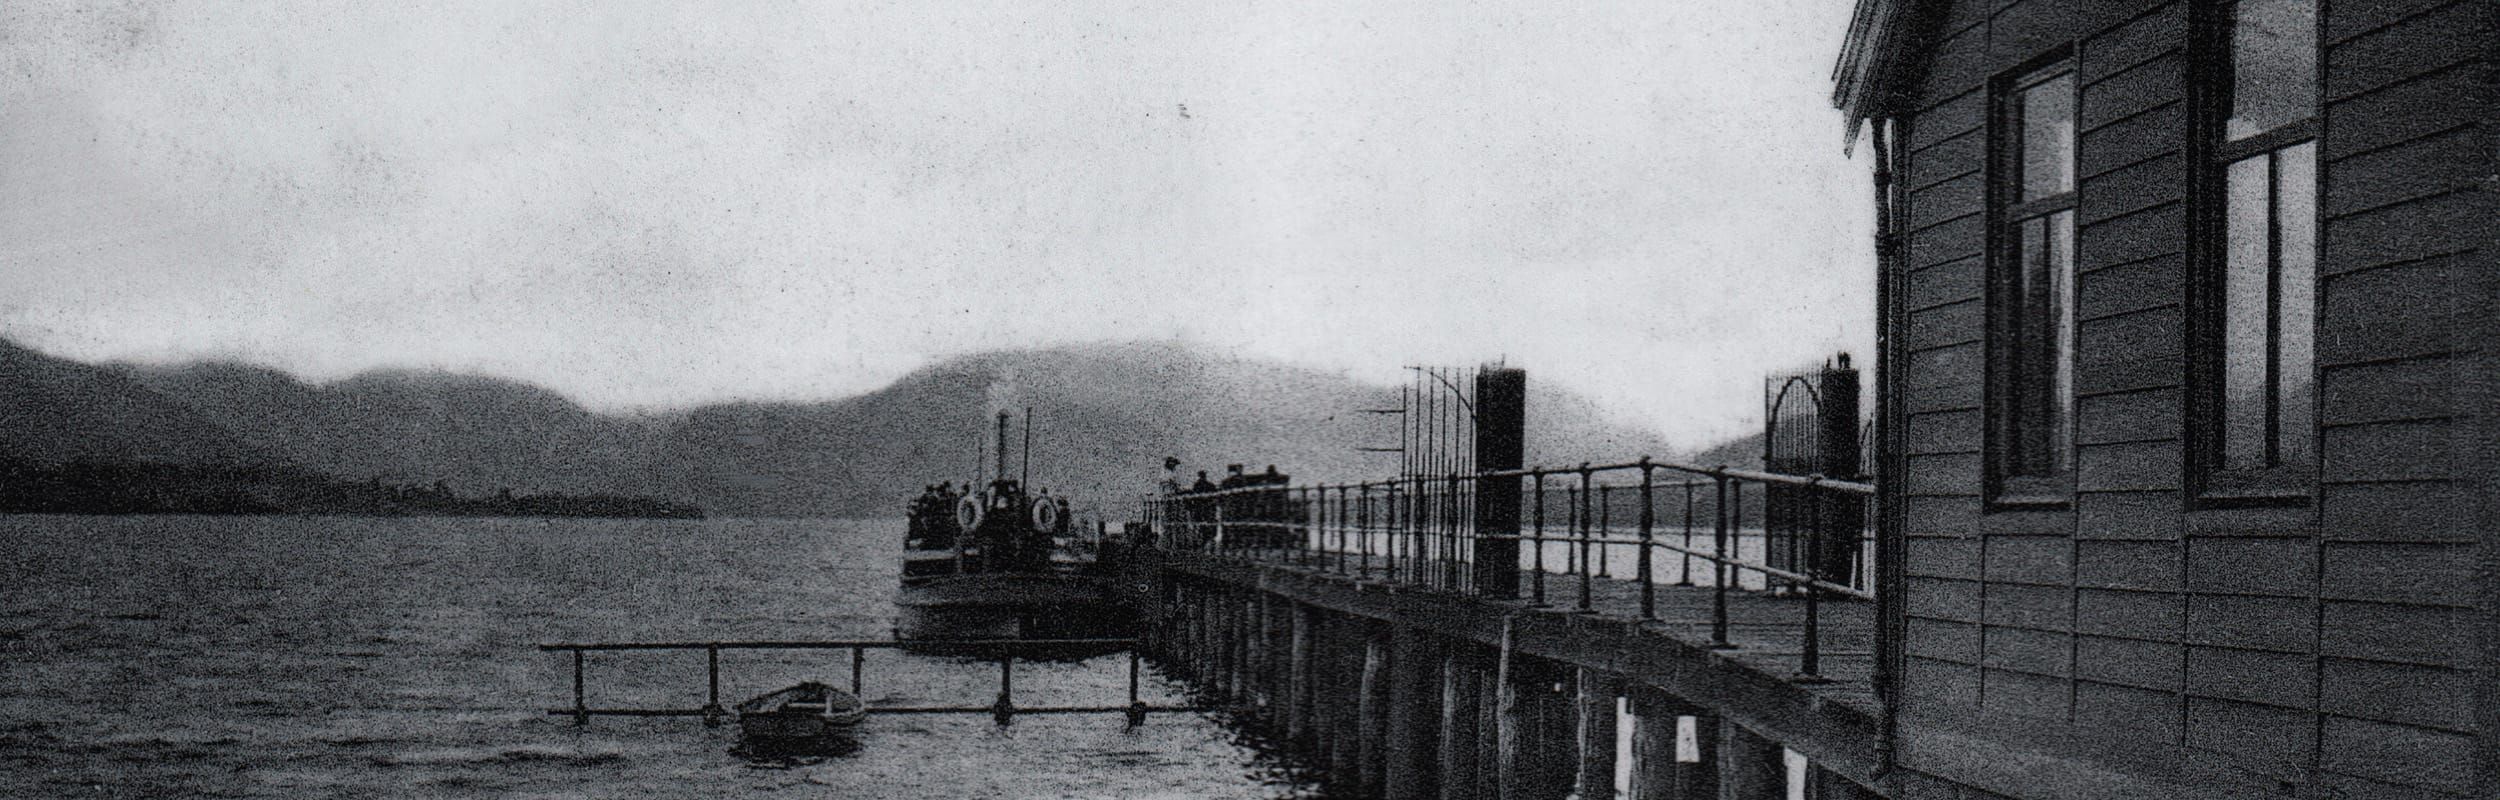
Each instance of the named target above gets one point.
<point>2255,425</point>
<point>2031,307</point>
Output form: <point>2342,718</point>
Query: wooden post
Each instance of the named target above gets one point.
<point>1414,716</point>
<point>1595,726</point>
<point>1345,767</point>
<point>1371,710</point>
<point>1669,764</point>
<point>1459,702</point>
<point>1298,683</point>
<point>1750,767</point>
<point>859,658</point>
<point>1508,720</point>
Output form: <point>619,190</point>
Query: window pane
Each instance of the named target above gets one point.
<point>2247,282</point>
<point>2042,374</point>
<point>2296,220</point>
<point>2048,120</point>
<point>2274,65</point>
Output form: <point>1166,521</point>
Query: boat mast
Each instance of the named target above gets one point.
<point>1002,446</point>
<point>1026,479</point>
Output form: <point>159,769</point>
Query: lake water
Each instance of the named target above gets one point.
<point>326,657</point>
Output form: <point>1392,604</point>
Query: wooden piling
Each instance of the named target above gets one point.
<point>1371,716</point>
<point>1298,682</point>
<point>1594,723</point>
<point>1415,697</point>
<point>1459,704</point>
<point>1750,767</point>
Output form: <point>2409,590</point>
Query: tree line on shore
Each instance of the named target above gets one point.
<point>144,487</point>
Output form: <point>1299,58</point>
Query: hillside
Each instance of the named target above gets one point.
<point>1105,416</point>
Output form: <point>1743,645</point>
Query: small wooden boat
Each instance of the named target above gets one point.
<point>806,711</point>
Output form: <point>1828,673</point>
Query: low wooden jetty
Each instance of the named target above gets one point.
<point>1002,707</point>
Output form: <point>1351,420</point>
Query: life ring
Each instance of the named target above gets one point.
<point>1046,516</point>
<point>968,512</point>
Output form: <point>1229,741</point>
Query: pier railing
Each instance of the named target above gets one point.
<point>1587,527</point>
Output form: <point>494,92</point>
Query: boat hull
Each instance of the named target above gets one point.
<point>983,606</point>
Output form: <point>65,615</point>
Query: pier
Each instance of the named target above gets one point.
<point>1634,629</point>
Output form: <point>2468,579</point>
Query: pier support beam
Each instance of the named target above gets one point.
<point>1371,711</point>
<point>1415,719</point>
<point>1596,731</point>
<point>1460,706</point>
<point>1298,688</point>
<point>1667,764</point>
<point>1750,767</point>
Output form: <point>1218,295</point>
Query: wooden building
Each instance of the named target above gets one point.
<point>2189,340</point>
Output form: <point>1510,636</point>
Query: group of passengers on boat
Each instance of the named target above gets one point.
<point>1009,529</point>
<point>1245,509</point>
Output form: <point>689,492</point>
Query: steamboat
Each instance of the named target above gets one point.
<point>997,561</point>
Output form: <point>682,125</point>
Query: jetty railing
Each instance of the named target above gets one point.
<point>1002,709</point>
<point>1807,537</point>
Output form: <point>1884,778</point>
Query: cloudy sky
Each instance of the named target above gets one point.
<point>654,205</point>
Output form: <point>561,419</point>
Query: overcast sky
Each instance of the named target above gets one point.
<point>656,205</point>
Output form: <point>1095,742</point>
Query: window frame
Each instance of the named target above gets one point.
<point>2008,213</point>
<point>2211,153</point>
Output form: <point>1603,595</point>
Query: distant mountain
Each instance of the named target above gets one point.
<point>1105,416</point>
<point>55,410</point>
<point>479,435</point>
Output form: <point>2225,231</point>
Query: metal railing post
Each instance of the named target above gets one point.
<point>1136,707</point>
<point>712,712</point>
<point>1605,529</point>
<point>1536,585</point>
<point>1005,710</point>
<point>1586,596</point>
<point>859,659</point>
<point>1363,527</point>
<point>1689,486</point>
<point>1810,662</point>
<point>1649,584</point>
<point>581,702</point>
<point>1719,571</point>
<point>1451,575</point>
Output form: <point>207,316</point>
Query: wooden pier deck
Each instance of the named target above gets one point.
<point>1832,718</point>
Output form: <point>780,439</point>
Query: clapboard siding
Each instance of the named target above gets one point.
<point>1952,240</point>
<point>2386,391</point>
<point>2130,352</point>
<point>2134,90</point>
<point>2138,663</point>
<point>2409,511</point>
<point>2389,451</point>
<point>1965,196</point>
<point>2130,287</point>
<point>2135,187</point>
<point>2132,237</point>
<point>1949,282</point>
<point>1946,432</point>
<point>2139,565</point>
<point>2127,515</point>
<point>2156,131</point>
<point>2411,170</point>
<point>2401,112</point>
<point>1961,155</point>
<point>2140,416</point>
<point>2273,739</point>
<point>2403,754</point>
<point>2157,32</point>
<point>2139,618</point>
<point>2406,48</point>
<point>2404,311</point>
<point>2391,692</point>
<point>2153,616</point>
<point>2396,632</point>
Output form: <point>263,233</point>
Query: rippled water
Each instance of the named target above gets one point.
<point>312,657</point>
